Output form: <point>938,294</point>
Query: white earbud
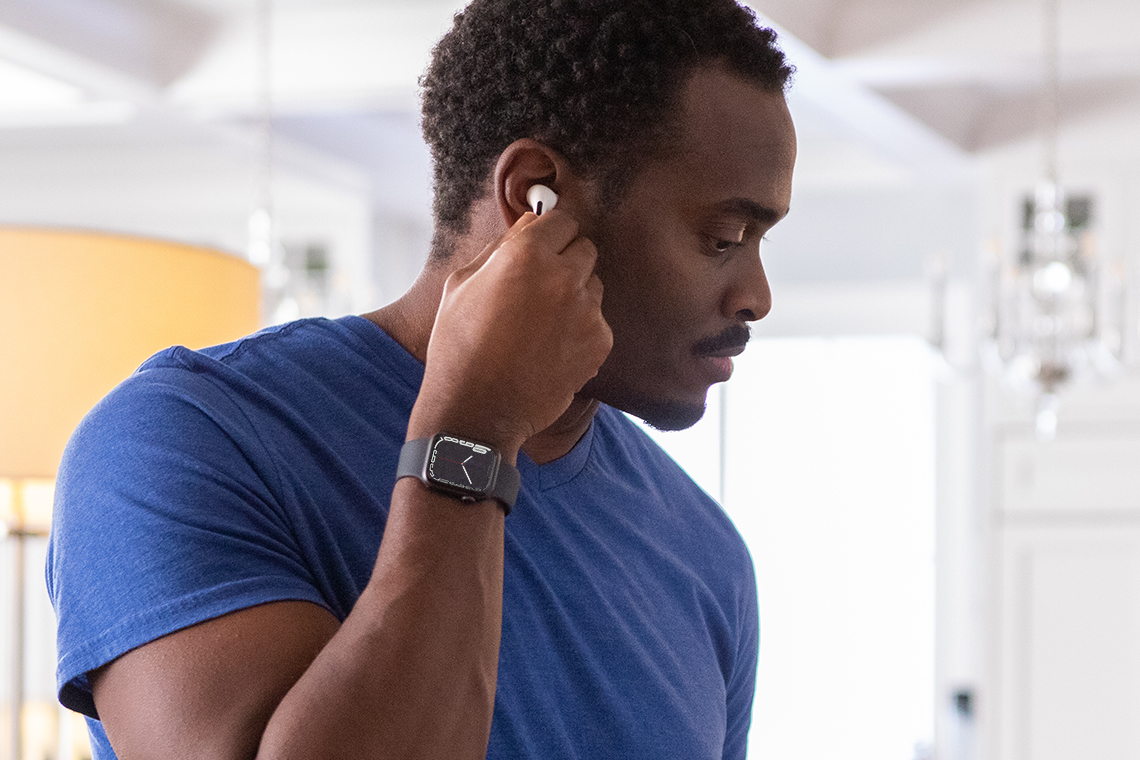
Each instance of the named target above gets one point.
<point>541,198</point>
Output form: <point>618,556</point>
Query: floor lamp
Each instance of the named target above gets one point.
<point>79,311</point>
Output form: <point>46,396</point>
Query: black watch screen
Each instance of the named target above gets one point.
<point>463,465</point>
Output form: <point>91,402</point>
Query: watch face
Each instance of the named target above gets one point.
<point>464,465</point>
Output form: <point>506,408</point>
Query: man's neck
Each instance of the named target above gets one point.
<point>556,441</point>
<point>409,320</point>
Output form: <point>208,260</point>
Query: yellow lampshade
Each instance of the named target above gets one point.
<point>79,311</point>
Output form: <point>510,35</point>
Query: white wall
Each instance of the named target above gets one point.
<point>1057,521</point>
<point>829,474</point>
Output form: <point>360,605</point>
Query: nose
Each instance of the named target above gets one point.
<point>748,298</point>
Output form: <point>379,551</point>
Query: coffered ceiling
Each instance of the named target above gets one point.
<point>921,82</point>
<point>969,69</point>
<point>973,69</point>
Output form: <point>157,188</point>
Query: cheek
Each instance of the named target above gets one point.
<point>648,262</point>
<point>644,288</point>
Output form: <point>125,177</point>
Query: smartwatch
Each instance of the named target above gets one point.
<point>469,470</point>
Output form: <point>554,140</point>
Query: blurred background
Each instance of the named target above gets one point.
<point>932,446</point>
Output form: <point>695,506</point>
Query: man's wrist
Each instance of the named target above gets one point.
<point>466,469</point>
<point>425,425</point>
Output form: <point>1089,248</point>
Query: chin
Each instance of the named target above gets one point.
<point>666,414</point>
<point>659,413</point>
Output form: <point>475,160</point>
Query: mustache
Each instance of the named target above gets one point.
<point>735,336</point>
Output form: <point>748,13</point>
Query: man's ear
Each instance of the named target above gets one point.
<point>523,164</point>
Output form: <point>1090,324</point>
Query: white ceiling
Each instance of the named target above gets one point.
<point>969,69</point>
<point>972,69</point>
<point>344,81</point>
<point>888,90</point>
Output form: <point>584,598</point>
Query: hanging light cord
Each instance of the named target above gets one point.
<point>265,104</point>
<point>1051,97</point>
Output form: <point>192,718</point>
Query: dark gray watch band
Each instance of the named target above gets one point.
<point>414,456</point>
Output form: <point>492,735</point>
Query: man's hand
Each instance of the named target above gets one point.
<point>518,332</point>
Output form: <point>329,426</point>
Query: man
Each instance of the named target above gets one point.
<point>237,570</point>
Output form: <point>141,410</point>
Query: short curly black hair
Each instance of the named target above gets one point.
<point>594,79</point>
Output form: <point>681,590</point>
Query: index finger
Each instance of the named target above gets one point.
<point>519,225</point>
<point>553,232</point>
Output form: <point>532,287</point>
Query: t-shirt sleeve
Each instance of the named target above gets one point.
<point>165,516</point>
<point>741,686</point>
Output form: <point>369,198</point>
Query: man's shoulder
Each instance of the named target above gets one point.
<point>309,359</point>
<point>273,393</point>
<point>304,344</point>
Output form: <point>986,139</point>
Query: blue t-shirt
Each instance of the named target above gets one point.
<point>262,471</point>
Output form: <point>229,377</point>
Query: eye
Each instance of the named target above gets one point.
<point>724,236</point>
<point>716,245</point>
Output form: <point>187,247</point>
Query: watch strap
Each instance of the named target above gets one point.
<point>414,461</point>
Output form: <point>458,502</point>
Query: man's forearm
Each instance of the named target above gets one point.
<point>411,672</point>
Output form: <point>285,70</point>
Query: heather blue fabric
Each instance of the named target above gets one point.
<point>261,470</point>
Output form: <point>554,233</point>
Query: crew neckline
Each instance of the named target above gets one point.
<point>547,476</point>
<point>561,470</point>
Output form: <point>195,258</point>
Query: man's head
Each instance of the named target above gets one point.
<point>596,80</point>
<point>662,126</point>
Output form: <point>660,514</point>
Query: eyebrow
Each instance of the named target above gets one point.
<point>755,212</point>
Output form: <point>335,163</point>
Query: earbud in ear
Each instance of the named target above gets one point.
<point>541,198</point>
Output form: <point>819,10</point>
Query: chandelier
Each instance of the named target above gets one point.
<point>1053,317</point>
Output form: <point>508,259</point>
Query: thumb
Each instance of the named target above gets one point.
<point>473,266</point>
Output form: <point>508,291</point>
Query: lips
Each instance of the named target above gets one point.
<point>718,364</point>
<point>726,352</point>
<point>715,353</point>
<point>717,369</point>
